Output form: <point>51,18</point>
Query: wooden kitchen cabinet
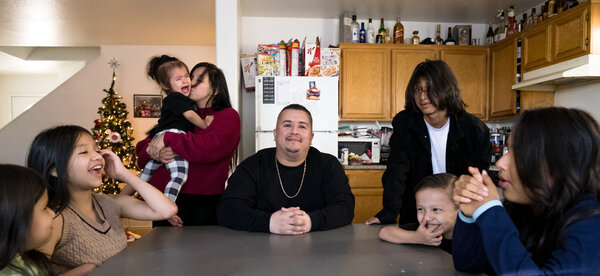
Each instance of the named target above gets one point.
<point>571,35</point>
<point>537,47</point>
<point>404,62</point>
<point>365,82</point>
<point>374,77</point>
<point>470,66</point>
<point>368,192</point>
<point>503,71</point>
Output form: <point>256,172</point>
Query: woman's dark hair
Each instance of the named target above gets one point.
<point>158,69</point>
<point>20,189</point>
<point>442,181</point>
<point>442,87</point>
<point>557,156</point>
<point>218,84</point>
<point>50,152</point>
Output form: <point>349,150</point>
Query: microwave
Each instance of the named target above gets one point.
<point>360,145</point>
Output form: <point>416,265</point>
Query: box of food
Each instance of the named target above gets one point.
<point>293,58</point>
<point>248,70</point>
<point>312,57</point>
<point>267,60</point>
<point>330,62</point>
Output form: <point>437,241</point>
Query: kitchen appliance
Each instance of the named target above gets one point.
<point>318,94</point>
<point>360,145</point>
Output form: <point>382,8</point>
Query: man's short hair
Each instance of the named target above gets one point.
<point>296,107</point>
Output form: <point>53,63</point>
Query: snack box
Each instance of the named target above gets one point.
<point>330,62</point>
<point>267,62</point>
<point>312,64</point>
<point>248,70</point>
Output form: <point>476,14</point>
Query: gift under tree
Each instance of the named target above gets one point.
<point>114,132</point>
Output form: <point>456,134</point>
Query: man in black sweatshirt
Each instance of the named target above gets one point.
<point>290,189</point>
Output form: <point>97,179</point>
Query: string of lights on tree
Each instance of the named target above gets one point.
<point>114,132</point>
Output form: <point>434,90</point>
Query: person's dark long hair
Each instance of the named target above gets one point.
<point>442,87</point>
<point>557,157</point>
<point>20,189</point>
<point>219,96</point>
<point>220,93</point>
<point>49,154</point>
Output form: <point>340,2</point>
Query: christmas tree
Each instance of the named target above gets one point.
<point>114,132</point>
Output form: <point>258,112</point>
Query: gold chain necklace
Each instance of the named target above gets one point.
<point>281,183</point>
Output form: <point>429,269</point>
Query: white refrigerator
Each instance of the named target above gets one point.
<point>318,94</point>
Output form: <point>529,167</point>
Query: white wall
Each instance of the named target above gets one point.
<point>586,97</point>
<point>23,85</point>
<point>76,101</point>
<point>261,30</point>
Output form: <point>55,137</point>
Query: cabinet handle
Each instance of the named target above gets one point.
<point>587,42</point>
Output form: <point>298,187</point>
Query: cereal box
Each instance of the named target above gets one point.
<point>248,70</point>
<point>267,60</point>
<point>312,57</point>
<point>330,62</point>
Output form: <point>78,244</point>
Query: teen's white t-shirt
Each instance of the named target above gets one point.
<point>438,138</point>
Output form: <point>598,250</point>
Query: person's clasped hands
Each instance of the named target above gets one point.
<point>472,191</point>
<point>290,221</point>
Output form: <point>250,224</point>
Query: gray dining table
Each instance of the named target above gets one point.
<point>214,250</point>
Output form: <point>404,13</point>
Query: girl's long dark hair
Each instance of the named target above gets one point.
<point>20,189</point>
<point>557,156</point>
<point>51,151</point>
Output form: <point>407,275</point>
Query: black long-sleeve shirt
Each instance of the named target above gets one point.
<point>254,192</point>
<point>410,159</point>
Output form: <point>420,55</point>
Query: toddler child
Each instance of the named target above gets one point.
<point>178,114</point>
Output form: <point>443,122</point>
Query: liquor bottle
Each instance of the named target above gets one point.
<point>398,32</point>
<point>380,33</point>
<point>489,38</point>
<point>415,39</point>
<point>523,23</point>
<point>449,40</point>
<point>387,39</point>
<point>355,29</point>
<point>512,25</point>
<point>362,34</point>
<point>534,17</point>
<point>370,32</point>
<point>438,37</point>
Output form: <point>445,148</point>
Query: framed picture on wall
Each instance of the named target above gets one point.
<point>146,106</point>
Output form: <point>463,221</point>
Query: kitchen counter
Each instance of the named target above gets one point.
<point>365,167</point>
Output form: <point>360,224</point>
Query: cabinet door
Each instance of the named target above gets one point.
<point>470,66</point>
<point>536,48</point>
<point>368,193</point>
<point>571,36</point>
<point>365,91</point>
<point>502,97</point>
<point>404,62</point>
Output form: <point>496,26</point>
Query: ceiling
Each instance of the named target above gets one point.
<point>459,11</point>
<point>84,23</point>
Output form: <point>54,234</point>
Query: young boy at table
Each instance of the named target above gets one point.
<point>436,213</point>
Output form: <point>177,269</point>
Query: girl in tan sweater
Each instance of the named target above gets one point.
<point>88,229</point>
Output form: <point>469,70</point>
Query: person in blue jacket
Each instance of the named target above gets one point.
<point>549,222</point>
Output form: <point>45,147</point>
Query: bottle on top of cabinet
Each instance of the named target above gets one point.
<point>449,40</point>
<point>489,38</point>
<point>355,28</point>
<point>398,32</point>
<point>415,38</point>
<point>362,33</point>
<point>380,33</point>
<point>438,36</point>
<point>370,32</point>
